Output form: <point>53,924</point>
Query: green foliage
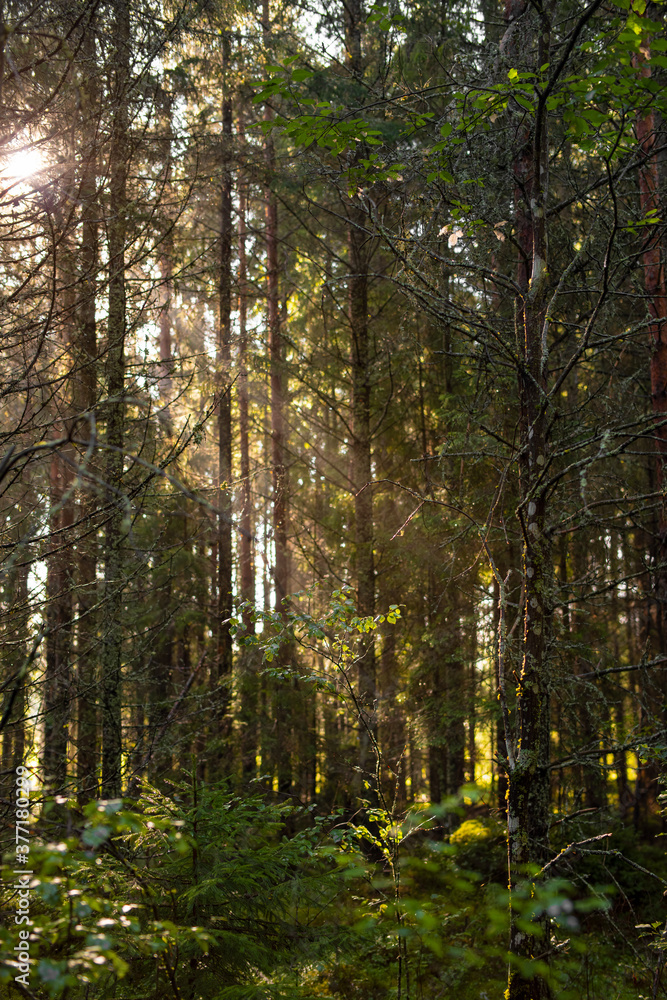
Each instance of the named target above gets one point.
<point>594,105</point>
<point>204,891</point>
<point>333,632</point>
<point>200,888</point>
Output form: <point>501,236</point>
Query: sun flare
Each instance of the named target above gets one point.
<point>23,164</point>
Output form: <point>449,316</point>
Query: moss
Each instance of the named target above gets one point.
<point>473,831</point>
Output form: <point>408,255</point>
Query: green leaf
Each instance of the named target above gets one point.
<point>524,102</point>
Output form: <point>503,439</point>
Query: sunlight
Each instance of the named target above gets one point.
<point>24,164</point>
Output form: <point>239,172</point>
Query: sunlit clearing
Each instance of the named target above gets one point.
<point>23,164</point>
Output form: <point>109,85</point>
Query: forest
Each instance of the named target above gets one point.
<point>333,499</point>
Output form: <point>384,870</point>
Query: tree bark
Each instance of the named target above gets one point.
<point>656,294</point>
<point>361,443</point>
<point>59,587</point>
<point>362,476</point>
<point>249,687</point>
<point>246,566</point>
<point>60,562</point>
<point>222,673</point>
<point>164,100</point>
<point>528,792</point>
<point>16,652</point>
<point>119,155</point>
<point>278,392</point>
<point>84,402</point>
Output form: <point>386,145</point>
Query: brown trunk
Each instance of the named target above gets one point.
<point>501,742</point>
<point>222,672</point>
<point>84,402</point>
<point>164,101</point>
<point>283,697</point>
<point>621,760</point>
<point>472,698</point>
<point>455,699</point>
<point>656,295</point>
<point>246,566</point>
<point>362,476</point>
<point>16,651</point>
<point>446,690</point>
<point>435,692</point>
<point>59,583</point>
<point>60,562</point>
<point>361,426</point>
<point>249,690</point>
<point>267,736</point>
<point>112,639</point>
<point>656,291</point>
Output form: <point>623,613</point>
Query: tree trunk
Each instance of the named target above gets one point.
<point>361,425</point>
<point>17,611</point>
<point>222,673</point>
<point>84,402</point>
<point>362,476</point>
<point>471,697</point>
<point>656,294</point>
<point>164,100</point>
<point>249,688</point>
<point>278,392</point>
<point>456,701</point>
<point>115,373</point>
<point>60,562</point>
<point>59,586</point>
<point>246,566</point>
<point>528,793</point>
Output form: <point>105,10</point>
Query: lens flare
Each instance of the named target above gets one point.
<point>23,164</point>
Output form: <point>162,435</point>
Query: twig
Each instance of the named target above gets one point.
<point>573,847</point>
<point>656,662</point>
<point>579,812</point>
